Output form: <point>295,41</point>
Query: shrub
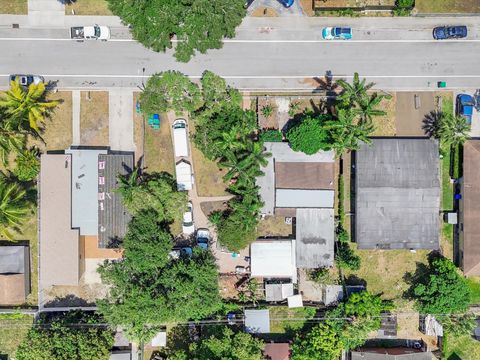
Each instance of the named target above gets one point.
<point>28,164</point>
<point>267,110</point>
<point>342,235</point>
<point>271,136</point>
<point>405,4</point>
<point>346,257</point>
<point>309,136</point>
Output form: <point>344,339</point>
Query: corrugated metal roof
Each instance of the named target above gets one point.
<point>272,258</point>
<point>315,238</point>
<point>398,194</point>
<point>294,198</point>
<point>364,355</point>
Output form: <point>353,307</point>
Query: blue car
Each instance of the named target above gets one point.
<point>337,33</point>
<point>449,32</point>
<point>286,3</point>
<point>465,106</point>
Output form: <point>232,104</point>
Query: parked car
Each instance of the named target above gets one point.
<point>176,253</point>
<point>180,138</point>
<point>286,3</point>
<point>187,226</point>
<point>337,33</point>
<point>95,32</point>
<point>465,106</point>
<point>26,80</point>
<point>449,32</point>
<point>203,238</point>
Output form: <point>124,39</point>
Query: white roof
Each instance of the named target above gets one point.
<point>257,321</point>
<point>294,198</point>
<point>184,175</point>
<point>273,258</point>
<point>282,152</point>
<point>295,301</point>
<point>180,139</point>
<point>278,292</point>
<point>160,339</point>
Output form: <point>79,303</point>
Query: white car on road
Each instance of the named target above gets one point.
<point>188,228</point>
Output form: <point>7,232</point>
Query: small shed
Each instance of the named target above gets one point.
<point>295,301</point>
<point>273,259</point>
<point>14,274</point>
<point>257,321</point>
<point>278,292</point>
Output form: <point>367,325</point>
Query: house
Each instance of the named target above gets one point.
<point>14,274</point>
<point>277,351</point>
<point>469,210</point>
<point>257,321</point>
<point>274,258</point>
<point>397,196</point>
<point>302,186</point>
<point>82,218</point>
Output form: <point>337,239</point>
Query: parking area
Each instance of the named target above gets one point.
<point>411,108</point>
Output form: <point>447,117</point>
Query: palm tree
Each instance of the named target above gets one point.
<point>14,207</point>
<point>26,108</point>
<point>10,141</point>
<point>454,129</point>
<point>367,106</point>
<point>232,140</point>
<point>127,184</point>
<point>354,93</point>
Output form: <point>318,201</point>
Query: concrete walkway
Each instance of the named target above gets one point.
<point>120,120</point>
<point>76,117</point>
<point>46,13</point>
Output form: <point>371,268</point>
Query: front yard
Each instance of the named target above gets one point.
<point>88,7</point>
<point>447,6</point>
<point>17,7</point>
<point>94,118</point>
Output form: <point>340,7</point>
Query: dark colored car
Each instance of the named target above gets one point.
<point>465,106</point>
<point>286,3</point>
<point>449,32</point>
<point>26,80</point>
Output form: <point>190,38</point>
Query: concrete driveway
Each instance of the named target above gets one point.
<point>121,119</point>
<point>294,10</point>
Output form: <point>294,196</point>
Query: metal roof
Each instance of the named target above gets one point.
<point>13,259</point>
<point>315,238</point>
<point>398,194</point>
<point>295,198</point>
<point>278,292</point>
<point>391,354</point>
<point>257,321</point>
<point>85,189</point>
<point>273,258</point>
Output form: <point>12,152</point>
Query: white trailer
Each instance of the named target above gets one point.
<point>180,138</point>
<point>184,176</point>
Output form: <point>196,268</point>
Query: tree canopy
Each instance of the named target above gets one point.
<point>15,206</point>
<point>441,290</point>
<point>199,25</point>
<point>58,339</point>
<point>309,135</point>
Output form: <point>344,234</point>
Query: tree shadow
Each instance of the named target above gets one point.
<point>354,280</point>
<point>454,356</point>
<point>67,301</point>
<point>67,2</point>
<point>431,123</point>
<point>420,276</point>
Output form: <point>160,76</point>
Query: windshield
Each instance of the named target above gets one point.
<point>97,31</point>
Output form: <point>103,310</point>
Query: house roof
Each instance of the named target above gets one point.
<point>315,238</point>
<point>277,351</point>
<point>113,217</point>
<point>12,289</point>
<point>304,175</point>
<point>398,194</point>
<point>399,353</point>
<point>257,321</point>
<point>471,208</point>
<point>278,292</point>
<point>13,259</point>
<point>282,152</point>
<point>273,258</point>
<point>84,180</point>
<point>294,198</point>
<point>59,243</point>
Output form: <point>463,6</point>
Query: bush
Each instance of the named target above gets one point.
<point>309,136</point>
<point>341,200</point>
<point>405,4</point>
<point>346,257</point>
<point>28,165</point>
<point>271,136</point>
<point>342,235</point>
<point>267,110</point>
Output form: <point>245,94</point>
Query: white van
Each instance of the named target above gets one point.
<point>184,176</point>
<point>180,138</point>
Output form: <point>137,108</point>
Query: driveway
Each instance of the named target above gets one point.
<point>294,10</point>
<point>120,120</point>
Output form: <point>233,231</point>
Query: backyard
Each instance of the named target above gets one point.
<point>281,318</point>
<point>462,348</point>
<point>13,329</point>
<point>208,177</point>
<point>13,7</point>
<point>158,151</point>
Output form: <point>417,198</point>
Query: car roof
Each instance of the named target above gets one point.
<point>465,98</point>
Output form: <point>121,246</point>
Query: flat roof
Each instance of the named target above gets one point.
<point>278,292</point>
<point>315,235</point>
<point>398,353</point>
<point>272,258</point>
<point>59,243</point>
<point>13,259</point>
<point>257,321</point>
<point>470,207</point>
<point>304,175</point>
<point>85,189</point>
<point>282,152</point>
<point>398,194</point>
<point>295,198</point>
<point>113,217</point>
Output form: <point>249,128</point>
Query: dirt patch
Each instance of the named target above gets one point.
<point>264,12</point>
<point>210,206</point>
<point>307,7</point>
<point>410,113</point>
<point>270,121</point>
<point>227,287</point>
<point>386,125</point>
<point>208,177</point>
<point>274,226</point>
<point>158,150</point>
<point>94,118</point>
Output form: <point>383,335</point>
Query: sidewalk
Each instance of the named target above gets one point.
<point>43,13</point>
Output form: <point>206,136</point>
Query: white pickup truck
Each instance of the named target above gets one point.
<point>95,32</point>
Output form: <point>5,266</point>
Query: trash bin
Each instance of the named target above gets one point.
<point>442,84</point>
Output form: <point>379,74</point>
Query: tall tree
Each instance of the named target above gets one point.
<point>368,106</point>
<point>170,90</point>
<point>324,342</point>
<point>309,135</point>
<point>454,129</point>
<point>26,109</point>
<point>199,25</point>
<point>14,207</point>
<point>216,93</point>
<point>355,92</point>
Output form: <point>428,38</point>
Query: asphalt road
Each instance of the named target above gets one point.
<point>271,54</point>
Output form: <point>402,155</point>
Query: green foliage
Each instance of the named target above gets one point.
<point>155,191</point>
<point>341,201</point>
<point>442,290</point>
<point>28,164</point>
<point>170,90</point>
<point>308,135</point>
<point>453,129</point>
<point>321,276</point>
<point>346,258</point>
<point>342,235</point>
<point>233,232</point>
<point>322,342</point>
<point>267,110</point>
<point>198,24</point>
<point>60,340</point>
<point>14,207</point>
<point>271,136</point>
<point>405,3</point>
<point>216,94</point>
<point>293,108</point>
<point>459,325</point>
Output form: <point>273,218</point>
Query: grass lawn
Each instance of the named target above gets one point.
<point>447,6</point>
<point>88,7</point>
<point>14,7</point>
<point>208,177</point>
<point>385,125</point>
<point>94,118</point>
<point>474,285</point>
<point>282,313</point>
<point>12,332</point>
<point>462,347</point>
<point>384,271</point>
<point>158,151</point>
<point>274,226</point>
